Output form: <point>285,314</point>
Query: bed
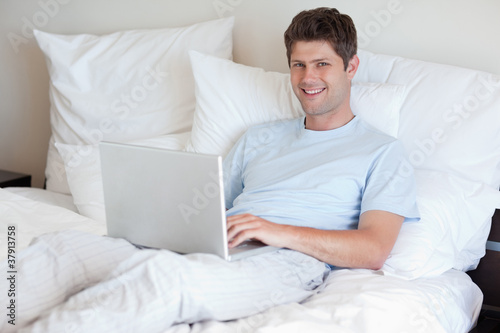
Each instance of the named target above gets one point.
<point>179,88</point>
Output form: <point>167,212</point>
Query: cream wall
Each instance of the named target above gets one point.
<point>457,32</point>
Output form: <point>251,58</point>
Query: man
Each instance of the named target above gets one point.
<point>321,190</point>
<point>321,49</point>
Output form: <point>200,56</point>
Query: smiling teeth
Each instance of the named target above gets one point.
<point>313,91</point>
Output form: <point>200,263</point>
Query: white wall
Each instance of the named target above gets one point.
<point>457,32</point>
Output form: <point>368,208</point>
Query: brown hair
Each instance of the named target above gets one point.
<point>323,24</point>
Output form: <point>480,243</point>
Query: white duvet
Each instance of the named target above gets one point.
<point>352,300</point>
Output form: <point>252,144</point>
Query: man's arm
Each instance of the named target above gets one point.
<point>365,247</point>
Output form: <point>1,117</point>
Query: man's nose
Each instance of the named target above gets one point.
<point>310,75</point>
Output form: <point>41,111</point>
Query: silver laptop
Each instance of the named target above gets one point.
<point>168,199</point>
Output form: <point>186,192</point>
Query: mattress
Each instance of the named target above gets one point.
<point>48,197</point>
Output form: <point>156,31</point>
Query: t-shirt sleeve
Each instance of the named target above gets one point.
<point>390,184</point>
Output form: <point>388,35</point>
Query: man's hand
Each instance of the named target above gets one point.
<point>248,226</point>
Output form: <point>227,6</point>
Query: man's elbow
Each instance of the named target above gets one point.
<point>377,265</point>
<point>377,259</point>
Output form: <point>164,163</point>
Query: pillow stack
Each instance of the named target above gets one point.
<point>124,86</point>
<point>449,126</point>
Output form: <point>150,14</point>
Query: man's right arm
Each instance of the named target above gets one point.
<point>365,247</point>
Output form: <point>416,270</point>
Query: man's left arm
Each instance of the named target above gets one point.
<point>368,246</point>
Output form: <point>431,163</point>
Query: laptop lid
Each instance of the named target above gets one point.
<point>164,198</point>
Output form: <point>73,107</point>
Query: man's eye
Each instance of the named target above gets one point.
<point>322,64</point>
<point>299,65</point>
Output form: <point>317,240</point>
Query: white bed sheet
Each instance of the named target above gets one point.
<point>365,301</point>
<point>352,300</point>
<point>33,218</point>
<point>45,196</point>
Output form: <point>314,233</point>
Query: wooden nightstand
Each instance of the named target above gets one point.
<point>10,179</point>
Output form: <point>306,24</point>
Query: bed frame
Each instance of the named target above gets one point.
<point>486,276</point>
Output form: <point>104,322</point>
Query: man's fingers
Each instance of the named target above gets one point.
<point>236,237</point>
<point>237,228</point>
<point>248,226</point>
<point>240,227</point>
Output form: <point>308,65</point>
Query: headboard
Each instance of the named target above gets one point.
<point>487,273</point>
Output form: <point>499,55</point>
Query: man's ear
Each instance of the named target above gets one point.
<point>352,66</point>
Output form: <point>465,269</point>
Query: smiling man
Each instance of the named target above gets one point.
<point>320,190</point>
<point>330,195</point>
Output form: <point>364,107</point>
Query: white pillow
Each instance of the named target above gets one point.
<point>231,97</point>
<point>455,222</point>
<point>449,123</point>
<point>83,169</point>
<point>450,118</point>
<point>124,86</point>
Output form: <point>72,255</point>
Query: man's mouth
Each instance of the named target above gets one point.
<point>313,91</point>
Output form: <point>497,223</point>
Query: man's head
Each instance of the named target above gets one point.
<point>323,24</point>
<point>321,49</point>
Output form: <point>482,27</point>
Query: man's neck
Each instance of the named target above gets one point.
<point>327,122</point>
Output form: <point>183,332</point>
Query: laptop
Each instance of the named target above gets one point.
<point>168,199</point>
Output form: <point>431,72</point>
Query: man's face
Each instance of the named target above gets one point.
<point>318,78</point>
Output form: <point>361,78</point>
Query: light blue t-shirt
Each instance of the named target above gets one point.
<point>287,174</point>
